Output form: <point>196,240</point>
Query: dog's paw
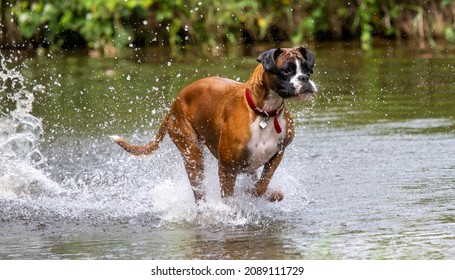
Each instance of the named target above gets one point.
<point>272,196</point>
<point>275,196</point>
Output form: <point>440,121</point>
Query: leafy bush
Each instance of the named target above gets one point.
<point>98,22</point>
<point>109,25</point>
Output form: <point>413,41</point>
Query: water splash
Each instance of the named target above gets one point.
<point>89,180</point>
<point>111,185</point>
<point>20,134</point>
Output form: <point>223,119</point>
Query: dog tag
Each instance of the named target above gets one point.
<point>263,123</point>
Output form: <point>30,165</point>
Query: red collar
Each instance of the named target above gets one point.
<point>265,114</point>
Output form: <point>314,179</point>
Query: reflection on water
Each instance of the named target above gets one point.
<point>370,175</point>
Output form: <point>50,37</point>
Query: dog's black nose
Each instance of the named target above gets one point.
<point>303,78</point>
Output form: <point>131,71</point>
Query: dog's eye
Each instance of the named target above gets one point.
<point>289,70</point>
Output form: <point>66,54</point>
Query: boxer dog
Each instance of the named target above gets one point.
<point>244,125</point>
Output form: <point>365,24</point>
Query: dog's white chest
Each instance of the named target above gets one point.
<point>265,141</point>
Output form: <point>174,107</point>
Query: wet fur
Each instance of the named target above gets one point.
<point>213,112</point>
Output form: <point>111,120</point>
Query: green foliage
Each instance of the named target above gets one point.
<point>367,12</point>
<point>97,21</point>
<point>216,24</point>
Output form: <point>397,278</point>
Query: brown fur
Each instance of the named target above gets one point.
<point>213,111</point>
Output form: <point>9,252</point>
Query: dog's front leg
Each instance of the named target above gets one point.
<point>266,176</point>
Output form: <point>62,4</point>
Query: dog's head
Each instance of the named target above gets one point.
<point>291,70</point>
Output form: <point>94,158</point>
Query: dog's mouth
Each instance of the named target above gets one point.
<point>305,92</point>
<point>303,96</point>
<point>300,91</point>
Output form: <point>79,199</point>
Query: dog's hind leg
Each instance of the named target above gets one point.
<point>194,166</point>
<point>185,139</point>
<point>227,180</point>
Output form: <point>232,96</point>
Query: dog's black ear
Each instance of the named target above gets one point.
<point>309,57</point>
<point>267,59</point>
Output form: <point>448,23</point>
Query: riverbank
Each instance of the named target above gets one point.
<point>108,27</point>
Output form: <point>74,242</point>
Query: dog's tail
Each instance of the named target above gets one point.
<point>150,147</point>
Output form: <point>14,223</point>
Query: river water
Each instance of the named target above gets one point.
<point>370,174</point>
